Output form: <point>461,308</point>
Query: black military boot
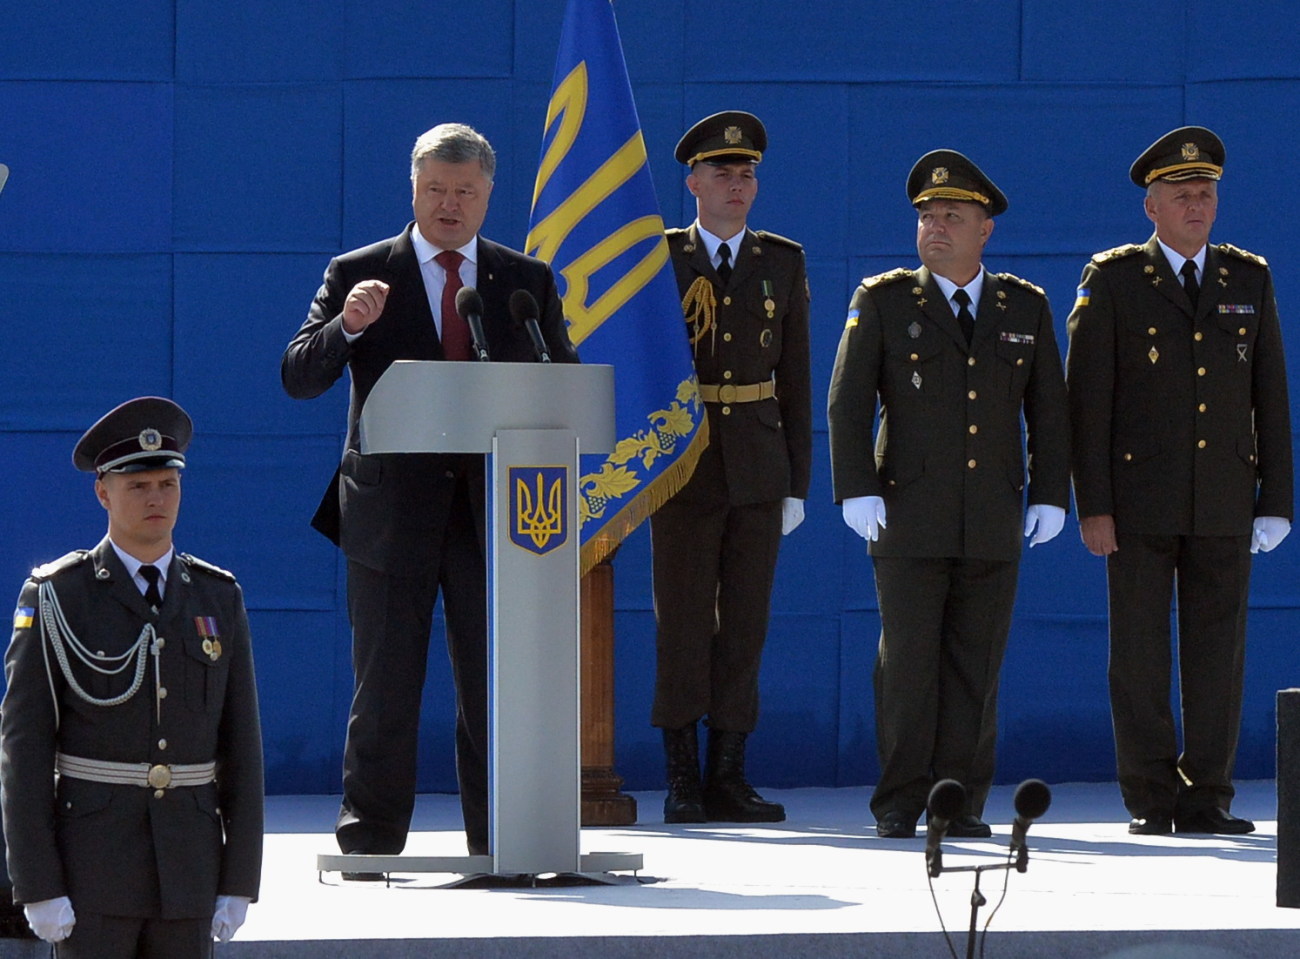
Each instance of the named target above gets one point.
<point>682,750</point>
<point>727,796</point>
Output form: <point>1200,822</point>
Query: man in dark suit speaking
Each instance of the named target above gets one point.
<point>412,524</point>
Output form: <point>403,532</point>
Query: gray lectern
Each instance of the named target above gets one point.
<point>534,419</point>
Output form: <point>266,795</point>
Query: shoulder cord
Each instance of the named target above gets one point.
<point>56,627</point>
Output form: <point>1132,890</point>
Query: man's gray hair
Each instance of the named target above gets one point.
<point>453,143</point>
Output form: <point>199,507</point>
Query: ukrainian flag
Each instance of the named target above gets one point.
<point>23,617</point>
<point>595,219</point>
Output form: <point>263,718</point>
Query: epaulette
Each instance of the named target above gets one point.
<point>66,561</point>
<point>1117,252</point>
<point>675,231</point>
<point>1021,281</point>
<point>195,563</point>
<point>778,238</point>
<point>1241,254</point>
<point>902,273</point>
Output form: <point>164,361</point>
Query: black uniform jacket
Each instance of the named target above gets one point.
<point>118,849</point>
<point>1180,417</point>
<point>387,511</point>
<point>949,458</point>
<point>757,332</point>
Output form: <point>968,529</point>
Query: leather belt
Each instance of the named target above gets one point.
<point>728,393</point>
<point>158,776</point>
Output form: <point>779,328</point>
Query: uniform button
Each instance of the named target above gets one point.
<point>1020,361</point>
<point>1197,336</point>
<point>159,793</point>
<point>974,429</point>
<point>161,642</point>
<point>1241,331</point>
<point>162,692</point>
<point>1128,457</point>
<point>893,482</point>
<point>1200,445</point>
<point>726,375</point>
<point>914,357</point>
<point>970,464</point>
<point>1201,408</point>
<point>67,805</point>
<point>1151,331</point>
<point>162,744</point>
<point>726,411</point>
<point>972,395</point>
<point>1201,371</point>
<point>726,337</point>
<point>449,474</point>
<point>726,301</point>
<point>970,361</point>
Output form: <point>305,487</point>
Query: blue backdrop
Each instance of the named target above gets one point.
<point>183,170</point>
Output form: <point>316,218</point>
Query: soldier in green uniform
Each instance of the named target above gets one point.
<point>132,779</point>
<point>955,358</point>
<point>1182,469</point>
<point>745,297</point>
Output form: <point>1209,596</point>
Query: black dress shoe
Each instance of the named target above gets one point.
<point>896,825</point>
<point>1213,820</point>
<point>1151,826</point>
<point>969,827</point>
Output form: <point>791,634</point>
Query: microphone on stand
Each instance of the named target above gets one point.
<point>523,310</point>
<point>470,307</point>
<point>947,799</point>
<point>1031,800</point>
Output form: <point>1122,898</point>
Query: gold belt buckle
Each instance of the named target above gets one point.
<point>727,393</point>
<point>160,776</point>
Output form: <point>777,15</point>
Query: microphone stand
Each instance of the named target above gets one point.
<point>977,898</point>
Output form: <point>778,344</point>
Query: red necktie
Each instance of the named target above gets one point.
<point>455,331</point>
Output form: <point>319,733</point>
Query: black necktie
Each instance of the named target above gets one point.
<point>152,575</point>
<point>964,318</point>
<point>724,265</point>
<point>1189,281</point>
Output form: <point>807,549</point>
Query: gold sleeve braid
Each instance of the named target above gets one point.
<point>701,309</point>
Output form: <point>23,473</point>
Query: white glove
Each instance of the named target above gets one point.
<point>51,919</point>
<point>865,516</point>
<point>791,515</point>
<point>229,916</point>
<point>1269,533</point>
<point>1044,522</point>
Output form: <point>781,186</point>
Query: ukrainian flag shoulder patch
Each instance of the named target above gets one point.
<point>23,617</point>
<point>1083,296</point>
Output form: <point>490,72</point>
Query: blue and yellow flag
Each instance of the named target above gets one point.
<point>595,219</point>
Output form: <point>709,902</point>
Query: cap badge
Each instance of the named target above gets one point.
<point>732,135</point>
<point>1191,151</point>
<point>150,440</point>
<point>939,175</point>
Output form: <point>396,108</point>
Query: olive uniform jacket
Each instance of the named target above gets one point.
<point>949,457</point>
<point>752,329</point>
<point>122,850</point>
<point>1181,420</point>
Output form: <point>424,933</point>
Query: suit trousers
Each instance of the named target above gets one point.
<point>1211,577</point>
<point>97,936</point>
<point>392,617</point>
<point>944,626</point>
<point>713,570</point>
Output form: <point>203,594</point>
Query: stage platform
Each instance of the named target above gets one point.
<point>820,885</point>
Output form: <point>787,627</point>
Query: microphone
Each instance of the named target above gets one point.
<point>947,799</point>
<point>523,309</point>
<point>470,307</point>
<point>1031,800</point>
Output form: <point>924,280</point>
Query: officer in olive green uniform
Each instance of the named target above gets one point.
<point>1182,469</point>
<point>745,296</point>
<point>130,675</point>
<point>954,356</point>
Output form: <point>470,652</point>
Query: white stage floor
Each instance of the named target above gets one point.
<point>823,872</point>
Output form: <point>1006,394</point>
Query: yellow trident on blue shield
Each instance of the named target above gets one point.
<point>539,510</point>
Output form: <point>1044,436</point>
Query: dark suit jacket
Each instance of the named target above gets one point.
<point>387,511</point>
<point>119,850</point>
<point>1181,419</point>
<point>762,450</point>
<point>949,459</point>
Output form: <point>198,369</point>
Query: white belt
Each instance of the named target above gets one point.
<point>135,774</point>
